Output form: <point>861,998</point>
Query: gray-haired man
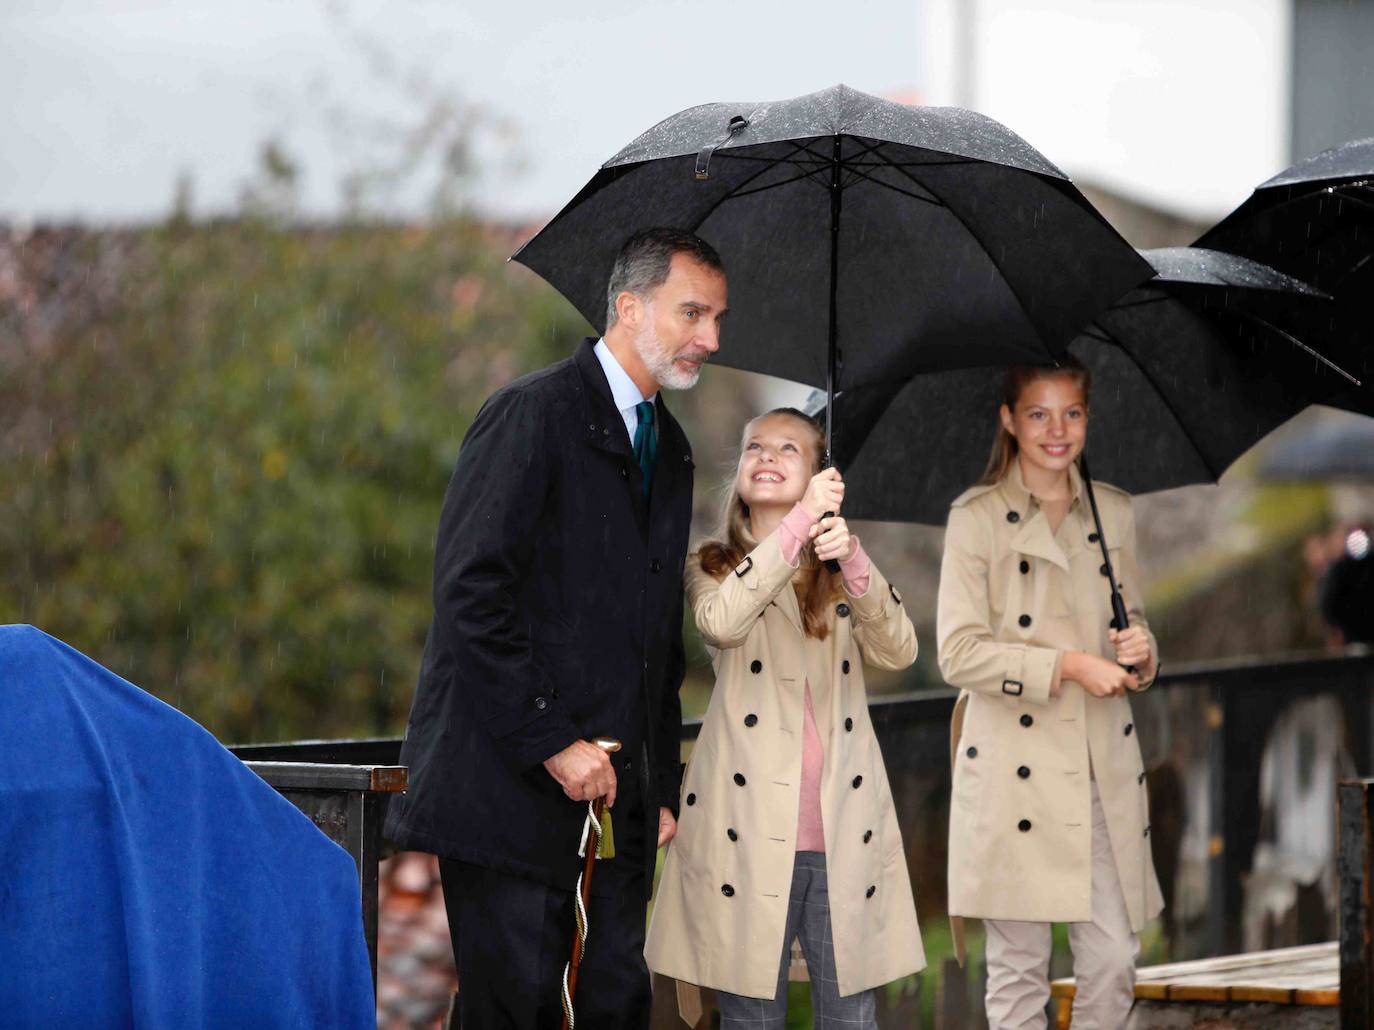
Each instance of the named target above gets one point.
<point>557,618</point>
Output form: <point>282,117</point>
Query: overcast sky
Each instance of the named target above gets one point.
<point>108,103</point>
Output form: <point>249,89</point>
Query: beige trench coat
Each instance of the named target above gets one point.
<point>722,900</point>
<point>1012,596</point>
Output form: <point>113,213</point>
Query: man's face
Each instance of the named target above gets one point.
<point>681,324</point>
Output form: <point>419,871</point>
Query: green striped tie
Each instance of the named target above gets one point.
<point>646,443</point>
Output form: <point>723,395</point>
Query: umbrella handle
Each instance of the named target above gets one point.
<point>831,563</point>
<point>1120,619</point>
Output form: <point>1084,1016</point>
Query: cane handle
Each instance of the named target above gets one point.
<point>607,744</point>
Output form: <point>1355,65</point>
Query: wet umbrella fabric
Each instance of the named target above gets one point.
<point>900,239</point>
<point>1315,221</point>
<point>1186,377</point>
<point>1339,447</point>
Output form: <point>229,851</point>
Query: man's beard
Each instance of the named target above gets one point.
<point>662,365</point>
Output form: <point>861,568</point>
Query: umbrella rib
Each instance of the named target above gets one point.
<point>1164,398</point>
<point>896,189</point>
<point>735,194</point>
<point>1289,337</point>
<point>762,171</point>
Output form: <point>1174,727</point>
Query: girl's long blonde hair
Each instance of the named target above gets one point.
<point>1004,446</point>
<point>816,587</point>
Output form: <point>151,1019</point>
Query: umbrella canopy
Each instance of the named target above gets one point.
<point>1337,449</point>
<point>1187,375</point>
<point>1315,221</point>
<point>863,239</point>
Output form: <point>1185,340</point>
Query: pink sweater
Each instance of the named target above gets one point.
<point>792,534</point>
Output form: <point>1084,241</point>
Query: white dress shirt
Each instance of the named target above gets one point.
<point>624,392</point>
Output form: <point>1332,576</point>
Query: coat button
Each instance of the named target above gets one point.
<point>1013,516</point>
<point>655,565</point>
<point>727,890</point>
<point>624,472</point>
<point>1104,570</point>
<point>844,666</point>
<point>858,780</point>
<point>732,834</point>
<point>1025,621</point>
<point>842,610</point>
<point>848,725</point>
<point>872,889</point>
<point>1025,566</point>
<point>1024,826</point>
<point>1027,719</point>
<point>1140,778</point>
<point>540,703</point>
<point>868,836</point>
<point>691,799</point>
<point>1147,831</point>
<point>1023,772</point>
<point>756,666</point>
<point>739,779</point>
<point>751,719</point>
<point>1128,729</point>
<point>1093,538</point>
<point>972,752</point>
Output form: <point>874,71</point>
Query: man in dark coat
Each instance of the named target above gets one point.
<point>558,618</point>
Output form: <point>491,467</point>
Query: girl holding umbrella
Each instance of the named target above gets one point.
<point>1049,814</point>
<point>787,827</point>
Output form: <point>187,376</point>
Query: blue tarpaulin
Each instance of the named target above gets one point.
<point>147,877</point>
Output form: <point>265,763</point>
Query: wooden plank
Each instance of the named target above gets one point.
<point>1198,992</point>
<point>1317,998</point>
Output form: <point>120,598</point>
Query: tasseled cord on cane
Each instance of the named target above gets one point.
<point>589,850</point>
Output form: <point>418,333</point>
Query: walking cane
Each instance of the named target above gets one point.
<point>591,844</point>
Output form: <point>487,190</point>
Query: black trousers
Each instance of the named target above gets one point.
<point>513,936</point>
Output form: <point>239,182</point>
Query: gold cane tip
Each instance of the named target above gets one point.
<point>607,744</point>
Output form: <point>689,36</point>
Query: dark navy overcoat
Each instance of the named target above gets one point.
<point>557,617</point>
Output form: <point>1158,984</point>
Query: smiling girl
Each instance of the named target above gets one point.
<point>787,827</point>
<point>1049,818</point>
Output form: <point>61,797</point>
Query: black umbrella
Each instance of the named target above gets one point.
<point>1188,373</point>
<point>864,240</point>
<point>1315,221</point>
<point>1336,448</point>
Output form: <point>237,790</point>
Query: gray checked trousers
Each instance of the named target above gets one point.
<point>808,918</point>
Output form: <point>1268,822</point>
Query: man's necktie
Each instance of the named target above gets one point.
<point>646,443</point>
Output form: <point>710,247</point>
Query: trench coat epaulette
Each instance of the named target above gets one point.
<point>973,492</point>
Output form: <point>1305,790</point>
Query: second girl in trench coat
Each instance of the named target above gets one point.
<point>1049,819</point>
<point>722,912</point>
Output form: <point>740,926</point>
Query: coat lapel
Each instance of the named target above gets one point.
<point>1034,538</point>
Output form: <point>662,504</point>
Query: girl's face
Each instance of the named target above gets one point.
<point>1050,422</point>
<point>778,461</point>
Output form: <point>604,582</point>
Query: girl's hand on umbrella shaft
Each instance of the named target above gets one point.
<point>1132,647</point>
<point>1098,676</point>
<point>824,493</point>
<point>584,772</point>
<point>832,539</point>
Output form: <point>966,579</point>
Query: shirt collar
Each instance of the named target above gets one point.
<point>624,392</point>
<point>1021,499</point>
